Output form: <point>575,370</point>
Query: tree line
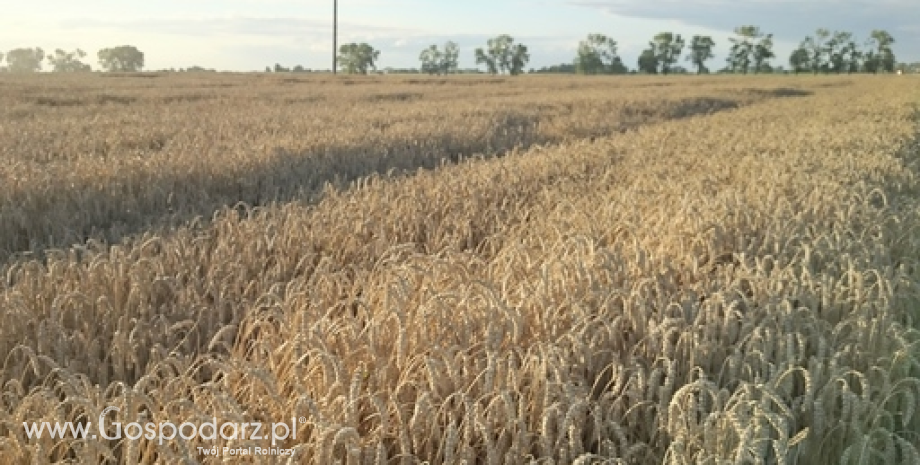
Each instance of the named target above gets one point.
<point>839,52</point>
<point>751,51</point>
<point>125,58</point>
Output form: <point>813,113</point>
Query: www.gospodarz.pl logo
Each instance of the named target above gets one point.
<point>166,431</point>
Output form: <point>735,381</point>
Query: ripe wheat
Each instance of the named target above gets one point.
<point>629,270</point>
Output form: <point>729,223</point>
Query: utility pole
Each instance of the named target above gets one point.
<point>335,36</point>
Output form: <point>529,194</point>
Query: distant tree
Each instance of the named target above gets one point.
<point>598,55</point>
<point>435,61</point>
<point>667,48</point>
<point>450,59</point>
<point>502,55</point>
<point>490,62</point>
<point>564,68</point>
<point>281,69</point>
<point>763,53</point>
<point>817,50</point>
<point>25,60</point>
<point>739,58</point>
<point>68,62</point>
<point>880,56</point>
<point>357,58</point>
<point>648,61</point>
<point>700,51</point>
<point>299,69</point>
<point>125,59</point>
<point>751,49</point>
<point>835,51</point>
<point>431,60</point>
<point>799,60</point>
<point>839,53</point>
<point>519,58</point>
<point>268,69</point>
<point>852,57</point>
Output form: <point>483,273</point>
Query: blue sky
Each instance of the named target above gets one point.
<point>246,35</point>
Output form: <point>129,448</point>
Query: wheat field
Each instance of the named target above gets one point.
<point>549,270</point>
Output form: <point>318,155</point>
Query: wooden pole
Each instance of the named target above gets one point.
<point>335,36</point>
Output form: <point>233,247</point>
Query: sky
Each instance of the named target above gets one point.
<point>248,35</point>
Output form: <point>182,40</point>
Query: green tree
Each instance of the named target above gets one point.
<point>357,58</point>
<point>503,55</point>
<point>799,60</point>
<point>667,48</point>
<point>880,56</point>
<point>122,59</point>
<point>490,61</point>
<point>68,62</point>
<point>25,60</point>
<point>435,61</point>
<point>700,51</point>
<point>751,49</point>
<point>852,57</point>
<point>598,55</point>
<point>431,60</point>
<point>648,61</point>
<point>834,51</point>
<point>763,53</point>
<point>519,59</point>
<point>817,50</point>
<point>450,58</point>
<point>739,58</point>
